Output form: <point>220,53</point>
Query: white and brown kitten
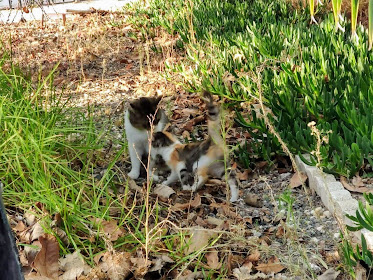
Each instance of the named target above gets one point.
<point>137,124</point>
<point>194,163</point>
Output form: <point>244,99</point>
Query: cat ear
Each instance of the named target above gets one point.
<point>158,99</point>
<point>133,105</point>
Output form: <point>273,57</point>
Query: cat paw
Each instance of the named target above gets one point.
<point>233,199</point>
<point>133,174</point>
<point>187,188</point>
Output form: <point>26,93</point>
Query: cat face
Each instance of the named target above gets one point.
<point>142,110</point>
<point>162,139</point>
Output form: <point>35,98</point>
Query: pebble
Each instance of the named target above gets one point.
<point>314,240</point>
<point>336,235</point>
<point>327,214</point>
<point>320,229</point>
<point>315,267</point>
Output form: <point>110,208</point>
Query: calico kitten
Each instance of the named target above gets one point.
<point>192,164</point>
<point>137,124</point>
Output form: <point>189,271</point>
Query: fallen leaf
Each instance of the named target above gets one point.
<point>330,274</point>
<point>273,265</point>
<point>159,262</point>
<point>214,221</point>
<point>213,260</point>
<point>110,228</point>
<point>192,204</point>
<point>19,227</point>
<point>191,123</point>
<point>46,261</point>
<point>332,257</point>
<point>141,267</point>
<point>354,189</point>
<point>243,272</point>
<point>36,231</point>
<point>252,200</point>
<point>298,179</point>
<point>199,238</point>
<point>116,265</point>
<point>73,266</point>
<point>357,181</point>
<point>243,176</point>
<point>163,191</point>
<point>254,256</point>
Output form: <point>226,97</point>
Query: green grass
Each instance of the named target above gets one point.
<point>41,141</point>
<point>305,72</point>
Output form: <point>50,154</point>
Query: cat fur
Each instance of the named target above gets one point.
<point>194,163</point>
<point>137,125</point>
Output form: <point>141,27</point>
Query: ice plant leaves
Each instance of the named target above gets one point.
<point>46,261</point>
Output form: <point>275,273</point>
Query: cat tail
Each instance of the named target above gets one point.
<point>213,119</point>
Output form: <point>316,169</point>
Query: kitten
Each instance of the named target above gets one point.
<point>201,159</point>
<point>137,124</point>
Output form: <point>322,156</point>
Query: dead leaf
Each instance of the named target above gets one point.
<point>159,262</point>
<point>280,232</point>
<point>357,181</point>
<point>73,266</point>
<point>273,265</point>
<point>116,265</point>
<point>298,179</point>
<point>141,266</point>
<point>332,257</point>
<point>330,274</point>
<point>199,238</point>
<point>191,276</point>
<point>110,228</point>
<point>243,176</point>
<point>133,186</point>
<point>253,200</point>
<point>164,192</point>
<point>193,122</point>
<point>214,221</point>
<point>243,272</point>
<point>354,189</point>
<point>46,261</point>
<point>19,227</point>
<point>213,260</point>
<point>254,256</point>
<point>36,231</point>
<point>192,204</point>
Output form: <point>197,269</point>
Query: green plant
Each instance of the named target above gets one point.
<point>359,253</point>
<point>354,13</point>
<point>370,27</point>
<point>336,4</point>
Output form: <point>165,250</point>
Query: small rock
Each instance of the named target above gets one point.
<point>327,214</point>
<point>318,211</point>
<point>315,267</point>
<point>336,235</point>
<point>320,229</point>
<point>314,240</point>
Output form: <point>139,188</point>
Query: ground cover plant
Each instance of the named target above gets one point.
<point>307,73</point>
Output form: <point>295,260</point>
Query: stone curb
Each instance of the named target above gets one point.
<point>334,196</point>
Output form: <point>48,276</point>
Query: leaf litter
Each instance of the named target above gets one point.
<point>250,239</point>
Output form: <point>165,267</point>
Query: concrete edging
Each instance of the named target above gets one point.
<point>334,196</point>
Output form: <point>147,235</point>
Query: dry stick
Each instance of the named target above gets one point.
<point>257,80</point>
